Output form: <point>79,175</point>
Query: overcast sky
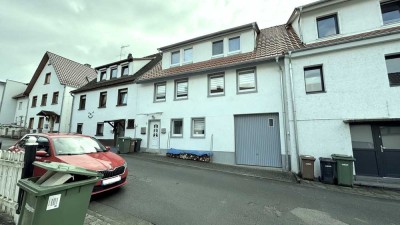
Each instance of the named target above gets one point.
<point>93,31</point>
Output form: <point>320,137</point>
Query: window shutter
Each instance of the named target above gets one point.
<point>181,89</point>
<point>198,126</point>
<point>216,84</point>
<point>160,92</point>
<point>246,81</point>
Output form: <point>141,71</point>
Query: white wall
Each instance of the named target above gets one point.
<point>8,106</point>
<point>110,112</point>
<point>38,90</point>
<point>202,51</point>
<point>353,17</point>
<point>218,111</point>
<point>357,87</point>
<point>20,113</point>
<point>66,109</point>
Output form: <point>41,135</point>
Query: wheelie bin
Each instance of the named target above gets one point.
<point>344,166</point>
<point>61,196</point>
<point>328,170</point>
<point>307,167</point>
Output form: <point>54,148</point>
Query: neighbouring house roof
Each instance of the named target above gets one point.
<point>47,113</point>
<point>128,59</point>
<point>94,84</point>
<point>69,72</point>
<point>249,26</point>
<point>352,38</point>
<point>21,95</point>
<point>271,42</point>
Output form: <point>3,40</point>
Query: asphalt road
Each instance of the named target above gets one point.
<point>168,194</point>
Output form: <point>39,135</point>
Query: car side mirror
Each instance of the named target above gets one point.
<point>12,148</point>
<point>108,148</point>
<point>42,153</point>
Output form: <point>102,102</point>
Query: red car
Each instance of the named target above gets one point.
<point>82,151</point>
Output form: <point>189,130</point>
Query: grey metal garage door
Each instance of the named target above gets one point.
<point>257,140</point>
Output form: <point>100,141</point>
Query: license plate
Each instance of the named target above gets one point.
<point>111,180</point>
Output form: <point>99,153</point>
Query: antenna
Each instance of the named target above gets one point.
<point>120,53</point>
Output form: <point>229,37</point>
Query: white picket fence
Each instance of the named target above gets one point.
<point>11,165</point>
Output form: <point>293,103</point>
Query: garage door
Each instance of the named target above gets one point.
<point>257,140</point>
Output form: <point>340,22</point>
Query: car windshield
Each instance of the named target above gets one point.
<point>76,145</point>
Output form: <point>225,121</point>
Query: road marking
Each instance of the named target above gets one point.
<point>315,217</point>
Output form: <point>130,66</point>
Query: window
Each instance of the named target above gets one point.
<point>99,129</point>
<point>41,122</point>
<point>159,92</point>
<point>19,105</point>
<point>393,69</point>
<point>198,127</point>
<point>103,99</point>
<point>82,102</point>
<point>113,73</point>
<point>34,101</point>
<point>181,89</point>
<point>216,84</point>
<point>327,26</point>
<point>122,97</point>
<point>131,124</point>
<point>314,79</point>
<point>55,98</point>
<point>44,100</point>
<point>188,55</point>
<point>390,11</point>
<point>103,75</point>
<point>47,78</point>
<point>31,121</point>
<point>79,128</point>
<point>270,122</point>
<point>234,44</point>
<point>246,81</point>
<point>124,70</point>
<point>218,47</point>
<point>176,128</point>
<point>175,58</point>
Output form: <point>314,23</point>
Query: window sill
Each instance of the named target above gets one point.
<point>101,107</point>
<point>234,52</point>
<point>198,137</point>
<point>174,65</point>
<point>315,92</point>
<point>81,109</point>
<point>330,37</point>
<point>391,24</point>
<point>121,105</point>
<point>216,95</point>
<point>33,106</point>
<point>176,136</point>
<point>54,103</point>
<point>42,105</point>
<point>186,63</point>
<point>180,99</point>
<point>217,56</point>
<point>247,91</point>
<point>159,101</point>
<point>99,135</point>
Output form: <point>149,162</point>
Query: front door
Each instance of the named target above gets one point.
<point>376,148</point>
<point>154,132</point>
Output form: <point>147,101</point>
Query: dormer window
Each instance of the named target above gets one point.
<point>113,73</point>
<point>327,26</point>
<point>124,70</point>
<point>103,75</point>
<point>175,59</point>
<point>390,11</point>
<point>188,55</point>
<point>218,48</point>
<point>234,44</point>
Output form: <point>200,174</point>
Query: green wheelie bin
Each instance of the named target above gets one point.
<point>60,197</point>
<point>344,166</point>
<point>124,145</point>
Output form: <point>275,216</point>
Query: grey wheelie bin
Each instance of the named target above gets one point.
<point>61,196</point>
<point>137,142</point>
<point>124,144</point>
<point>344,166</point>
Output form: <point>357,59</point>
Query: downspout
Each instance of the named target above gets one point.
<point>62,106</point>
<point>284,112</point>
<point>26,114</point>
<point>296,137</point>
<point>72,110</point>
<point>299,24</point>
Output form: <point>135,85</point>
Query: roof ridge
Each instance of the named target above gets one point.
<point>66,58</point>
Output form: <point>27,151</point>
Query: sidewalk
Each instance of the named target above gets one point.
<point>273,174</point>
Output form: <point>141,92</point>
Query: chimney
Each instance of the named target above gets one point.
<point>130,56</point>
<point>88,65</point>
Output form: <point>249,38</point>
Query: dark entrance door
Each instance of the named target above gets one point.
<point>376,148</point>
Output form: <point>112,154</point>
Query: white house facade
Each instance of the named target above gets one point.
<point>50,102</point>
<point>346,84</point>
<point>8,105</point>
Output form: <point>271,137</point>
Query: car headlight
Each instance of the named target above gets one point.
<point>125,164</point>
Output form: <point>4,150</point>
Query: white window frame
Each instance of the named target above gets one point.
<point>244,71</point>
<point>172,128</point>
<point>212,47</point>
<point>176,89</point>
<point>179,58</point>
<point>156,85</point>
<point>193,135</point>
<point>122,69</point>
<point>116,74</point>
<point>216,75</point>
<point>105,75</point>
<point>184,55</point>
<point>234,51</point>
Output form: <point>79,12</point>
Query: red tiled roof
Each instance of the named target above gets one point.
<point>69,72</point>
<point>271,42</point>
